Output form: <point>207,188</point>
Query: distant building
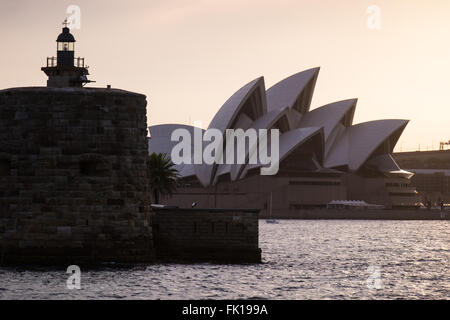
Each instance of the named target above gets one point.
<point>323,156</point>
<point>432,173</point>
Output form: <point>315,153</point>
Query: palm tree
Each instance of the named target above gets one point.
<point>162,176</point>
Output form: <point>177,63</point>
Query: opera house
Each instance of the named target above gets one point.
<point>323,156</point>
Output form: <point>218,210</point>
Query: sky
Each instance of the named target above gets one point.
<point>189,56</point>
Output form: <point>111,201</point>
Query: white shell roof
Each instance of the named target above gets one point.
<point>160,140</point>
<point>330,115</point>
<point>358,142</point>
<point>228,114</point>
<point>295,138</point>
<point>264,122</point>
<point>290,141</point>
<point>288,100</point>
<point>286,92</point>
<point>160,137</point>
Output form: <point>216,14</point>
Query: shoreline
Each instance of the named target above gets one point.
<point>359,214</point>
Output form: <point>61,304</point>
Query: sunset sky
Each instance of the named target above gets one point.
<point>189,56</point>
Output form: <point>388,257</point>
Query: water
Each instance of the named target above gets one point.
<point>302,260</point>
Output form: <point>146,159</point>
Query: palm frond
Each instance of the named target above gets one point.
<point>162,175</point>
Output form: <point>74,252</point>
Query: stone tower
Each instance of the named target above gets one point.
<point>73,175</point>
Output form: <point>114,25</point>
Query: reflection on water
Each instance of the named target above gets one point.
<point>303,259</point>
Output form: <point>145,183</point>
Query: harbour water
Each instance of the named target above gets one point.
<point>302,259</point>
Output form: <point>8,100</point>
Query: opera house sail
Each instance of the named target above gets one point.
<point>323,156</point>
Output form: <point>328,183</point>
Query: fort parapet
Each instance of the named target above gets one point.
<point>219,235</point>
<point>73,176</point>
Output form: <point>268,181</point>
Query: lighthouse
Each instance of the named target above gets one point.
<point>65,70</point>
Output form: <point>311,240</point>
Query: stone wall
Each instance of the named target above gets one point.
<point>226,235</point>
<point>73,178</point>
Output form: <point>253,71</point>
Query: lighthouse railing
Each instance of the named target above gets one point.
<point>51,62</point>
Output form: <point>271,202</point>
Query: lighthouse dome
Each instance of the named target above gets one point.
<point>66,36</point>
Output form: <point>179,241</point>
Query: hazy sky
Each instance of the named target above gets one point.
<point>189,56</point>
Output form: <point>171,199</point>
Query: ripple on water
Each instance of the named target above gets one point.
<point>301,260</point>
